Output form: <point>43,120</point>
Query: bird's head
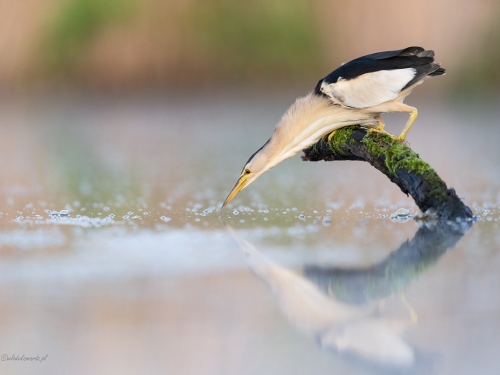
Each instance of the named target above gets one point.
<point>297,129</point>
<point>259,163</point>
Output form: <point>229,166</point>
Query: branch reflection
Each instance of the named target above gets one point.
<point>337,306</point>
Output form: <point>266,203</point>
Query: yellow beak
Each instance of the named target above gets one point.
<point>240,184</point>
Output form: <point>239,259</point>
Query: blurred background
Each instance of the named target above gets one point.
<point>132,44</point>
<point>125,123</point>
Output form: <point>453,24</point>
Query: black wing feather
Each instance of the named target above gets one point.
<point>412,57</point>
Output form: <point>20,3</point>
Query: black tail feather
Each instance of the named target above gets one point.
<point>438,72</point>
<point>411,51</point>
<point>428,53</point>
<point>431,70</point>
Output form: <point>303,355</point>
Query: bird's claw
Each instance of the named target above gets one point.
<point>328,137</point>
<point>378,129</point>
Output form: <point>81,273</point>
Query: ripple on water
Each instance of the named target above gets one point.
<point>402,215</point>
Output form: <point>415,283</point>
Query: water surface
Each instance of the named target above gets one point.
<point>114,256</point>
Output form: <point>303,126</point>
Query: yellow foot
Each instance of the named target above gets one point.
<point>411,310</point>
<point>399,138</point>
<point>328,137</point>
<point>378,129</point>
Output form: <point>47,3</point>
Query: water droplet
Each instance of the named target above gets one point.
<point>327,221</point>
<point>105,208</point>
<point>236,212</point>
<point>63,213</point>
<point>125,216</point>
<point>146,213</point>
<point>402,215</point>
<point>302,217</point>
<point>38,217</point>
<point>402,212</point>
<point>129,213</point>
<point>165,219</point>
<point>111,216</point>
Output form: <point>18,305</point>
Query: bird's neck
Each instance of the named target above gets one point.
<point>306,121</point>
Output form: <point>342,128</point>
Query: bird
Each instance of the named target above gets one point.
<point>356,93</point>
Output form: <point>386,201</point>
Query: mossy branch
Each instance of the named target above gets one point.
<point>399,163</point>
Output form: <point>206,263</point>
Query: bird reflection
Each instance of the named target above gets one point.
<point>337,306</point>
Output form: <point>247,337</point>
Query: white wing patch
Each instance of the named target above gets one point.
<point>369,89</point>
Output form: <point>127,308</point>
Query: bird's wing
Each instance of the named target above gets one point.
<point>369,89</point>
<point>377,78</point>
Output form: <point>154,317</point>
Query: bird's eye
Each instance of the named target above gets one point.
<point>247,171</point>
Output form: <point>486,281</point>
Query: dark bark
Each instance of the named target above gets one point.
<point>395,273</point>
<point>399,163</point>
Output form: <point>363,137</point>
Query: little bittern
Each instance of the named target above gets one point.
<point>356,93</point>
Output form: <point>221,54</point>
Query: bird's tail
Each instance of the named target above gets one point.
<point>438,72</point>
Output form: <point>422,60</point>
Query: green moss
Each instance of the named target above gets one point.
<point>340,138</point>
<point>399,156</point>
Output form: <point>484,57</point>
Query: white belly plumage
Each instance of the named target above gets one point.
<point>369,89</point>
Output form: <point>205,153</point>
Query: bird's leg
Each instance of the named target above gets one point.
<point>328,137</point>
<point>380,127</point>
<point>409,123</point>
<point>380,123</point>
<point>395,106</point>
<point>413,313</point>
